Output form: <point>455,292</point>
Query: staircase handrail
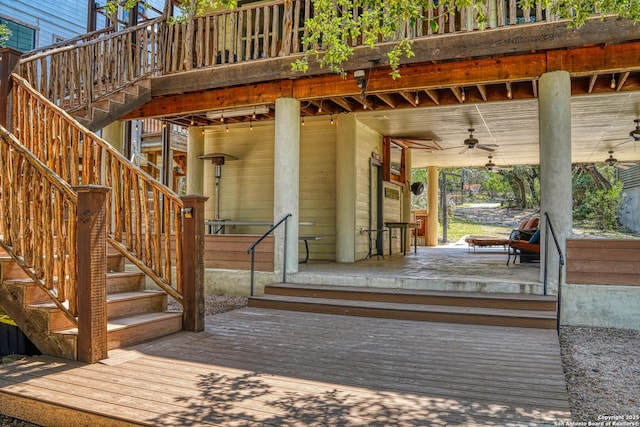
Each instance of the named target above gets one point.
<point>252,249</point>
<point>51,266</point>
<point>73,76</point>
<point>142,236</point>
<point>82,38</point>
<point>549,228</point>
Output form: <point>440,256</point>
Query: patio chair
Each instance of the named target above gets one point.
<point>525,241</point>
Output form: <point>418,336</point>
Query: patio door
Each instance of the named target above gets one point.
<point>376,211</point>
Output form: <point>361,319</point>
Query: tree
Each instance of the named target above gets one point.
<point>5,33</point>
<point>337,21</point>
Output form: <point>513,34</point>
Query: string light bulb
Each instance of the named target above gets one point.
<point>226,129</point>
<point>417,99</point>
<point>254,113</point>
<point>302,120</point>
<point>613,81</point>
<point>332,119</point>
<point>463,95</point>
<point>192,122</point>
<point>222,118</point>
<point>250,125</point>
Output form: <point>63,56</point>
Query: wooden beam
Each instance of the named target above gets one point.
<point>483,91</point>
<point>343,103</point>
<point>410,98</point>
<point>434,95</point>
<point>387,99</point>
<point>622,80</point>
<point>457,92</point>
<point>428,76</point>
<point>592,83</point>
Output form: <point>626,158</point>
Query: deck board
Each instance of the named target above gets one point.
<point>270,367</point>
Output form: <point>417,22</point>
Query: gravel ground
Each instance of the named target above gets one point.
<point>602,369</point>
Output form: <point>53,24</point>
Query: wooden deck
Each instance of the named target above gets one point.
<point>269,367</point>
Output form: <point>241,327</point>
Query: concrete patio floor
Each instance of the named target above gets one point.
<point>446,267</point>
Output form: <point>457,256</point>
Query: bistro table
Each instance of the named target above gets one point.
<point>404,227</point>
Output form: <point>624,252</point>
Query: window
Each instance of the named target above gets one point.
<point>22,38</point>
<point>393,163</point>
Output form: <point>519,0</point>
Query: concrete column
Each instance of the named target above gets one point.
<point>195,166</point>
<point>554,106</point>
<point>432,206</point>
<point>114,135</point>
<point>286,186</point>
<point>346,188</point>
<point>406,198</point>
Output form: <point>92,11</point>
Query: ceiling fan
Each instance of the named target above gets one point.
<point>612,161</point>
<point>634,135</point>
<point>471,143</point>
<point>491,167</point>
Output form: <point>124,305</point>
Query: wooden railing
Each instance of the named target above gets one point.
<point>38,222</point>
<point>273,29</point>
<point>145,214</point>
<point>76,74</point>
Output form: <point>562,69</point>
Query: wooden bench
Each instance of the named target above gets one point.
<point>306,239</point>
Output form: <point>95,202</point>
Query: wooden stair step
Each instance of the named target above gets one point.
<point>390,310</point>
<point>124,281</point>
<point>130,330</point>
<point>417,296</point>
<point>129,303</point>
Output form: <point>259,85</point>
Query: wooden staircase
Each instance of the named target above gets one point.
<point>135,314</point>
<point>113,106</point>
<point>529,311</point>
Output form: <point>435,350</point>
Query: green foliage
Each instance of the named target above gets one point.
<point>5,33</point>
<point>335,23</point>
<point>496,186</point>
<point>603,206</point>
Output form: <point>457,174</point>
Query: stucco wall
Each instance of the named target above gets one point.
<point>601,306</point>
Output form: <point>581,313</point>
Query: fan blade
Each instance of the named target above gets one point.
<point>622,166</point>
<point>485,147</point>
<point>464,150</point>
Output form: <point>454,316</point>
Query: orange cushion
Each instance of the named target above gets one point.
<point>532,223</point>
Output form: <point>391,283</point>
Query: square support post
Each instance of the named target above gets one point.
<point>193,263</point>
<point>91,247</point>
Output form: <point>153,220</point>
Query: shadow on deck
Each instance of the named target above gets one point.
<point>269,367</point>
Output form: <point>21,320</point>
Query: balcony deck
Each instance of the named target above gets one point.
<point>270,367</point>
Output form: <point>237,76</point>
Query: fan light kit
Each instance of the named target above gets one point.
<point>635,134</point>
<point>610,161</point>
<point>471,142</point>
<point>490,165</point>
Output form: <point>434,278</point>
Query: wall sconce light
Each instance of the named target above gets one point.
<point>359,75</point>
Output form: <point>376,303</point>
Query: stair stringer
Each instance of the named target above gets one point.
<point>34,323</point>
<point>112,107</point>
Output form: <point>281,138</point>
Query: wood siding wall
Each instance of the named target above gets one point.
<point>50,19</point>
<point>603,262</point>
<point>246,189</point>
<point>229,251</point>
<point>368,141</point>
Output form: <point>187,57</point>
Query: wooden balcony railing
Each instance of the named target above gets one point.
<point>146,215</point>
<point>76,74</point>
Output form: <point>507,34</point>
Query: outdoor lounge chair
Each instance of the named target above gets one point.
<point>525,241</point>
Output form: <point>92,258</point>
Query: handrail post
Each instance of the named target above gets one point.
<point>549,227</point>
<point>192,268</point>
<point>284,260</point>
<point>253,253</point>
<point>91,250</point>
